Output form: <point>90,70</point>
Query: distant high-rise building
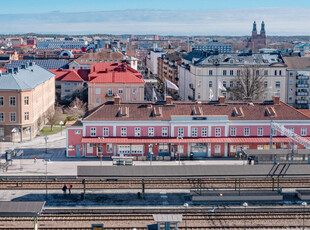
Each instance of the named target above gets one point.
<point>214,46</point>
<point>257,41</point>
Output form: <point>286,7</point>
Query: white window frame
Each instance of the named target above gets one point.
<point>2,132</point>
<point>14,101</point>
<point>164,131</point>
<point>93,131</point>
<point>217,149</point>
<point>11,116</point>
<point>137,132</point>
<point>109,147</point>
<point>274,132</point>
<point>110,92</point>
<point>120,91</point>
<point>105,132</point>
<point>77,131</point>
<point>260,131</point>
<point>26,100</point>
<point>134,91</point>
<point>204,132</point>
<point>123,132</point>
<point>194,132</point>
<point>98,90</point>
<point>26,116</point>
<point>2,117</point>
<point>233,131</point>
<point>180,132</point>
<point>218,132</point>
<point>151,132</point>
<point>246,131</point>
<point>303,131</point>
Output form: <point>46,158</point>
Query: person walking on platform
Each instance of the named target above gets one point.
<point>69,187</point>
<point>64,189</point>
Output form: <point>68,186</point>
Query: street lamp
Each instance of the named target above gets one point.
<point>304,204</point>
<point>46,162</point>
<point>61,124</point>
<point>179,138</point>
<point>185,206</point>
<point>45,139</point>
<point>245,205</point>
<point>151,153</point>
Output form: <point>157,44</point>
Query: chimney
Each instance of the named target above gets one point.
<point>221,100</point>
<point>247,99</point>
<point>276,100</point>
<point>117,100</point>
<point>168,100</point>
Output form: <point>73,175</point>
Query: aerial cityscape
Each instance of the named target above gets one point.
<point>159,115</point>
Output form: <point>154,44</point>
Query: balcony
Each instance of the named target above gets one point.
<point>302,85</point>
<point>301,101</point>
<point>302,93</point>
<point>302,77</point>
<point>110,95</point>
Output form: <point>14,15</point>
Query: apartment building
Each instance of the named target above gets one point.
<point>26,96</point>
<point>107,80</point>
<point>201,78</point>
<point>298,70</point>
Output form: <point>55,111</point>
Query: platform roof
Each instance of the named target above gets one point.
<point>167,218</point>
<point>255,152</point>
<point>195,171</point>
<point>21,208</point>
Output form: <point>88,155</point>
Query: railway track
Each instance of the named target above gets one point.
<point>192,221</point>
<point>266,183</point>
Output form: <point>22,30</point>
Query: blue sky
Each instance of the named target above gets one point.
<point>179,17</point>
<point>43,6</point>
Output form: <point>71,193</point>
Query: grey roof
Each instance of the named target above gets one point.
<point>240,59</point>
<point>194,171</point>
<point>167,218</point>
<point>197,54</point>
<point>46,64</point>
<point>25,79</point>
<point>21,208</point>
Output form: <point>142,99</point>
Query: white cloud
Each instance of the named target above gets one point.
<point>279,21</point>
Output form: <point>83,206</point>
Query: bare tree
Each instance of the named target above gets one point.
<point>77,109</point>
<point>54,117</point>
<point>249,83</point>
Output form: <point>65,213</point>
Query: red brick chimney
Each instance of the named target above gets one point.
<point>221,100</point>
<point>276,100</point>
<point>168,100</point>
<point>117,100</point>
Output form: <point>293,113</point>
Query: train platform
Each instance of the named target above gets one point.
<point>41,167</point>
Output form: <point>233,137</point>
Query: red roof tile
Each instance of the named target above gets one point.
<point>71,74</point>
<point>140,111</point>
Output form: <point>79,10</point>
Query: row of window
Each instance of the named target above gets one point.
<point>95,60</point>
<point>204,131</point>
<point>120,91</point>
<point>231,84</point>
<point>238,72</point>
<point>12,101</point>
<point>13,117</point>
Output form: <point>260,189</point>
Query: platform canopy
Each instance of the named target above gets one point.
<point>21,208</point>
<point>195,171</point>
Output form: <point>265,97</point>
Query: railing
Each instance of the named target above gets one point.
<point>301,101</point>
<point>302,85</point>
<point>302,77</point>
<point>302,93</point>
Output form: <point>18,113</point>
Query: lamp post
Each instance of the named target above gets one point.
<point>61,124</point>
<point>46,162</point>
<point>245,205</point>
<point>179,138</point>
<point>45,139</point>
<point>185,206</point>
<point>304,204</point>
<point>151,153</point>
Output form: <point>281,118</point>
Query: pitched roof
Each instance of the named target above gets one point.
<point>71,74</point>
<point>46,64</point>
<point>25,79</point>
<point>101,55</point>
<point>114,73</point>
<point>305,112</point>
<point>297,62</point>
<point>141,111</point>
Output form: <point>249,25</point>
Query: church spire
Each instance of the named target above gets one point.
<point>254,26</point>
<point>263,27</point>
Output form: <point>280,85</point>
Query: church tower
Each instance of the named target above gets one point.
<point>254,31</point>
<point>262,31</point>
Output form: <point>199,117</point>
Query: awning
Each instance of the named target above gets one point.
<point>134,140</point>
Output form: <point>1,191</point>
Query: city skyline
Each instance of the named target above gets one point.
<point>198,17</point>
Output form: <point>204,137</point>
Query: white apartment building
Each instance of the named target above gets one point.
<point>152,61</point>
<point>201,78</point>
